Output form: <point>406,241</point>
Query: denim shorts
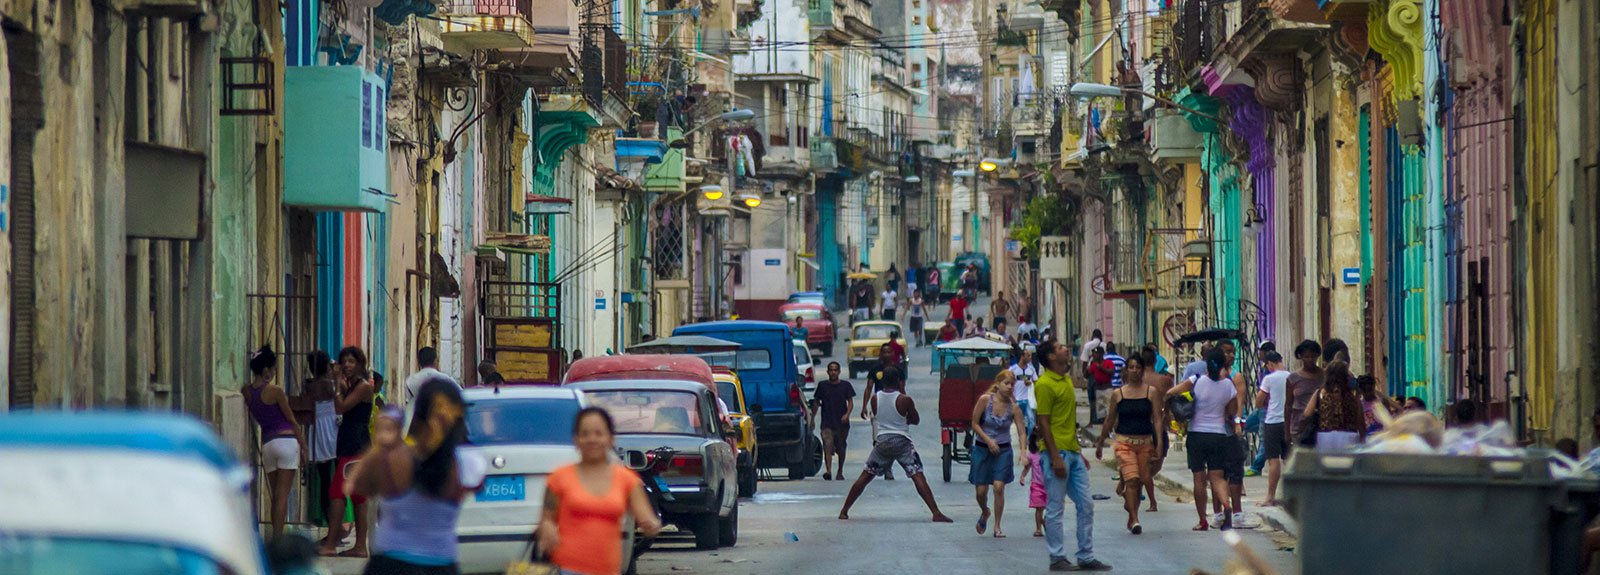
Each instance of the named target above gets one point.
<point>988,468</point>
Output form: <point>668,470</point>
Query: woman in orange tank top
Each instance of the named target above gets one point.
<point>584,503</point>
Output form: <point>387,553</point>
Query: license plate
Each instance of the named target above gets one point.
<point>503,488</point>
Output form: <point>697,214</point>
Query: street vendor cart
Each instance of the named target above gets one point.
<point>966,369</point>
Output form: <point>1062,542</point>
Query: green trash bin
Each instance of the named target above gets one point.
<point>1368,513</point>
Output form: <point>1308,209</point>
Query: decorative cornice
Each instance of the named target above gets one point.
<point>1278,80</point>
<point>1395,30</point>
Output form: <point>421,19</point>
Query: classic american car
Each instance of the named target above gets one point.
<point>666,401</point>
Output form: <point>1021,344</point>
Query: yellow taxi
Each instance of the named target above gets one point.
<point>731,391</point>
<point>866,338</point>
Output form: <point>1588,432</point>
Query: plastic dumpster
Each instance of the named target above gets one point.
<point>1363,513</point>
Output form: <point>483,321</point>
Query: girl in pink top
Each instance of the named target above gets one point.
<point>1032,472</point>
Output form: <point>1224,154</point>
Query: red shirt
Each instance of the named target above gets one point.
<point>1102,371</point>
<point>958,308</point>
<point>897,353</point>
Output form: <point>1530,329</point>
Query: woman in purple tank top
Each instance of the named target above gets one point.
<point>282,445</point>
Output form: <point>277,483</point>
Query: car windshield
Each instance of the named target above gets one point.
<point>27,555</point>
<point>719,358</point>
<point>876,331</point>
<point>729,395</point>
<point>803,313</point>
<point>651,411</point>
<point>753,359</point>
<point>520,421</point>
<point>802,355</point>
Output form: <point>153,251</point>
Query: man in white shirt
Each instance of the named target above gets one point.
<point>888,296</point>
<point>1022,392</point>
<point>428,358</point>
<point>1087,353</point>
<point>1273,396</point>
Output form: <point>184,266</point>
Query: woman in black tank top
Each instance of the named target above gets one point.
<point>1135,416</point>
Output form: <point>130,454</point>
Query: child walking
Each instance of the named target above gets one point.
<point>1031,472</point>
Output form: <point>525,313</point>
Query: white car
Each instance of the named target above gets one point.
<point>524,433</point>
<point>806,367</point>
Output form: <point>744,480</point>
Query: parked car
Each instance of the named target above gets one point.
<point>866,338</point>
<point>124,493</point>
<point>666,401</point>
<point>805,363</point>
<point>772,384</point>
<point>731,390</point>
<point>525,433</point>
<point>981,261</point>
<point>815,297</point>
<point>817,321</point>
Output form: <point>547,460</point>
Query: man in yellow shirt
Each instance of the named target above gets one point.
<point>1067,474</point>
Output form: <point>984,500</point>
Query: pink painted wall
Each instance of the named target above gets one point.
<point>1478,172</point>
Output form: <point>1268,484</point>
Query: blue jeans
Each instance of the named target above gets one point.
<point>1261,458</point>
<point>1027,414</point>
<point>1057,489</point>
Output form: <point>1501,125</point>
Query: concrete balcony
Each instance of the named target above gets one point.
<point>1172,137</point>
<point>827,20</point>
<point>824,155</point>
<point>469,25</point>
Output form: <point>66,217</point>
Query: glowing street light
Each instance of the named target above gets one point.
<point>988,166</point>
<point>712,192</point>
<point>751,200</point>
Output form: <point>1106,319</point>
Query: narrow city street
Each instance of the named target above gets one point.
<point>889,528</point>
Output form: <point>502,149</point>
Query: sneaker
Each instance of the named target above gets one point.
<point>1252,472</point>
<point>1216,518</point>
<point>1242,521</point>
<point>1062,565</point>
<point>1093,565</point>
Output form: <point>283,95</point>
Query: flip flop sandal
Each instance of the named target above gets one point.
<point>983,523</point>
<point>1137,529</point>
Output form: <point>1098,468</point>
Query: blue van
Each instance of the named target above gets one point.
<point>772,387</point>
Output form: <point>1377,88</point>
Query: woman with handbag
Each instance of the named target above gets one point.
<point>1336,410</point>
<point>420,481</point>
<point>1211,434</point>
<point>585,502</point>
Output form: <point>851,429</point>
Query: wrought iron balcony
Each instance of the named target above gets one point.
<point>468,25</point>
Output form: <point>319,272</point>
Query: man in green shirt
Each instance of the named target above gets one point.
<point>1067,474</point>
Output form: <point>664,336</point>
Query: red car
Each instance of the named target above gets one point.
<point>817,321</point>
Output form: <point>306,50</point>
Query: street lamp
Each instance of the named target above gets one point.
<point>739,115</point>
<point>712,192</point>
<point>988,166</point>
<point>751,200</point>
<point>1091,90</point>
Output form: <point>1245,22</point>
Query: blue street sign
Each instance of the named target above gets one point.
<point>1352,276</point>
<point>772,262</point>
<point>599,303</point>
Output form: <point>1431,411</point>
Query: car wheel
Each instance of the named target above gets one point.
<point>707,531</point>
<point>949,458</point>
<point>816,458</point>
<point>728,528</point>
<point>747,482</point>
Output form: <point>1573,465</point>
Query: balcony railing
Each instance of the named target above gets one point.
<point>822,15</point>
<point>1201,29</point>
<point>823,155</point>
<point>486,24</point>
